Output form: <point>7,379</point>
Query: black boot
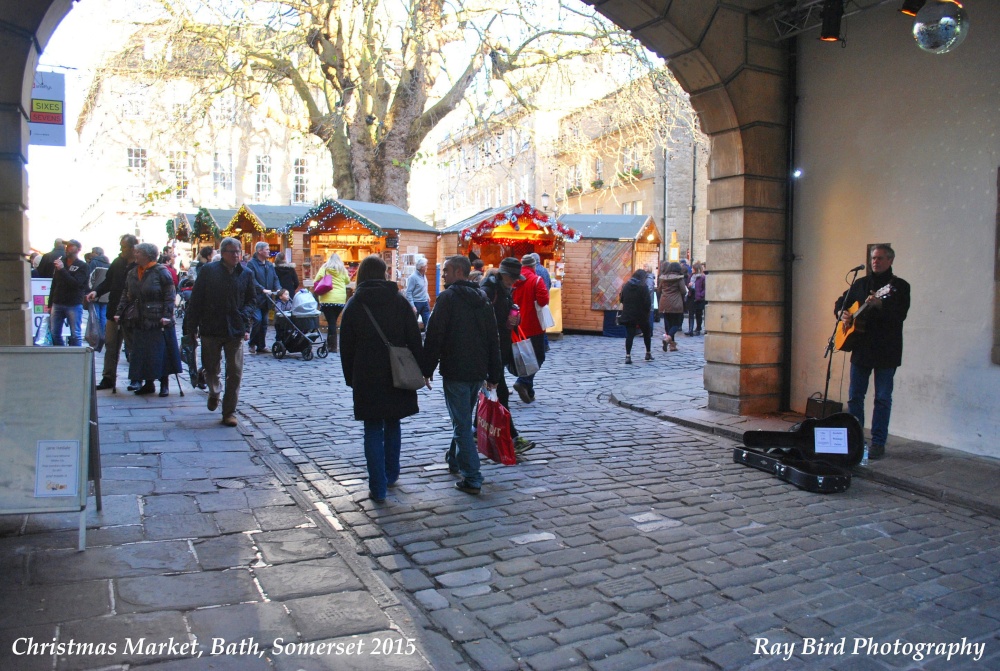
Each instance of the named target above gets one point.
<point>164,386</point>
<point>105,383</point>
<point>147,388</point>
<point>133,385</point>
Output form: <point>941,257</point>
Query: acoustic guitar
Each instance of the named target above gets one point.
<point>847,337</point>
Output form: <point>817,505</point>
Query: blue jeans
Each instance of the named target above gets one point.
<point>883,399</point>
<point>383,438</point>
<point>102,315</point>
<point>423,310</point>
<point>66,313</point>
<point>537,344</point>
<point>461,398</point>
<point>258,334</point>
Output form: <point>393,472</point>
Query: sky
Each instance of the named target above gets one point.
<point>57,187</point>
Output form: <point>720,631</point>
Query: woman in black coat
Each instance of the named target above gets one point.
<point>147,307</point>
<point>636,305</point>
<point>365,360</point>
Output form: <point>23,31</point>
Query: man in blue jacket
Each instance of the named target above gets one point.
<point>222,310</point>
<point>265,278</point>
<point>462,336</point>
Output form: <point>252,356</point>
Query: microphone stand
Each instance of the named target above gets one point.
<point>830,343</point>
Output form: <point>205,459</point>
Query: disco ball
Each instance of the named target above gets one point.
<point>940,26</point>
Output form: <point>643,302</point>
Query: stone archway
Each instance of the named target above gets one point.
<point>736,74</point>
<point>722,55</point>
<point>25,29</point>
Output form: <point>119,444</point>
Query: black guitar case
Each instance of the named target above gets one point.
<point>794,457</point>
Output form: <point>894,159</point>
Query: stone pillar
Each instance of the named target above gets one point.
<point>727,60</point>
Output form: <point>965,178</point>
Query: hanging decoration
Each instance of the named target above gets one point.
<point>170,229</point>
<point>518,217</point>
<point>182,231</point>
<point>205,226</point>
<point>243,215</point>
<point>325,212</point>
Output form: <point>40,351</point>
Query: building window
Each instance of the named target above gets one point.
<point>222,173</point>
<point>136,189</point>
<point>178,168</point>
<point>524,187</point>
<point>598,169</point>
<point>137,158</point>
<point>598,210</point>
<point>262,187</point>
<point>300,185</point>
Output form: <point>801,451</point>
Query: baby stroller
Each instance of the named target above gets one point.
<point>297,331</point>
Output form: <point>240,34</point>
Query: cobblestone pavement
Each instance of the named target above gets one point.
<point>628,542</point>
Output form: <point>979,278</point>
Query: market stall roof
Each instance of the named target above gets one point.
<point>268,217</point>
<point>376,217</point>
<point>220,218</point>
<point>518,215</point>
<point>611,226</point>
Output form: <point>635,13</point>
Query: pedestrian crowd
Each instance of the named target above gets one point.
<point>483,322</point>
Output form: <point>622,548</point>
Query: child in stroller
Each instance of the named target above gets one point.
<point>296,327</point>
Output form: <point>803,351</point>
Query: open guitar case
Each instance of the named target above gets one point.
<point>793,456</point>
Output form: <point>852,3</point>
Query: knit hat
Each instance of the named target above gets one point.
<point>511,266</point>
<point>528,260</point>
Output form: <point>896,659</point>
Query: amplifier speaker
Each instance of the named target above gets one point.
<point>818,409</point>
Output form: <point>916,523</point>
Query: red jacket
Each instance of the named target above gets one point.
<point>526,293</point>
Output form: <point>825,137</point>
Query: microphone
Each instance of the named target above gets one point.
<point>854,270</point>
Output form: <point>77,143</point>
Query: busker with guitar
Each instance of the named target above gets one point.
<point>871,328</point>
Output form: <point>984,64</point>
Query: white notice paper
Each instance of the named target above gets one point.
<point>57,468</point>
<point>831,440</point>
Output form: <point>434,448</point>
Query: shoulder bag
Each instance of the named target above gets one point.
<point>545,318</point>
<point>324,286</point>
<point>406,372</point>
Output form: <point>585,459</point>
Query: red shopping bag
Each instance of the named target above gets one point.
<point>493,430</point>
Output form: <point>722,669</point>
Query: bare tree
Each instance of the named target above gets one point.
<point>372,79</point>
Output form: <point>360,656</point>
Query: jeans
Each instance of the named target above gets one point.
<point>672,323</point>
<point>258,336</point>
<point>883,399</point>
<point>537,344</point>
<point>102,315</point>
<point>647,335</point>
<point>423,310</point>
<point>461,398</point>
<point>695,315</point>
<point>383,438</point>
<point>211,358</point>
<point>61,314</point>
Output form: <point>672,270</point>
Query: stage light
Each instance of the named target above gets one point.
<point>833,12</point>
<point>911,7</point>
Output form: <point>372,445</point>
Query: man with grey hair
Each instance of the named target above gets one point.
<point>878,348</point>
<point>222,310</point>
<point>265,278</point>
<point>416,291</point>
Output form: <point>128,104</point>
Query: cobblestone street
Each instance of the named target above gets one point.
<point>627,542</point>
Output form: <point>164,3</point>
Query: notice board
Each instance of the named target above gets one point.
<point>46,405</point>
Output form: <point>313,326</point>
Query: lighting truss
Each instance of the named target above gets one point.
<point>793,17</point>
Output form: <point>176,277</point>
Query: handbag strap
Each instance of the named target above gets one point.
<point>375,324</point>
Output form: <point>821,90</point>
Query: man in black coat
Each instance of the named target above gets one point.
<point>69,284</point>
<point>497,287</point>
<point>222,310</point>
<point>115,334</point>
<point>879,347</point>
<point>266,281</point>
<point>46,267</point>
<point>462,336</point>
